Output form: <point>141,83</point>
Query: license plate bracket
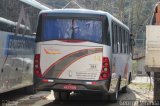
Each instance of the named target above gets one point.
<point>70,87</point>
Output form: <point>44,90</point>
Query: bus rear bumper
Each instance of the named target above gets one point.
<point>74,85</point>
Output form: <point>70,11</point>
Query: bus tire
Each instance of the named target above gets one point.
<point>30,90</point>
<point>57,95</point>
<point>130,78</point>
<point>124,89</point>
<point>65,95</point>
<point>113,97</point>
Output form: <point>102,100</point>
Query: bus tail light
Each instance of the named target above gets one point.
<point>105,72</point>
<point>91,83</point>
<point>47,80</point>
<point>37,69</point>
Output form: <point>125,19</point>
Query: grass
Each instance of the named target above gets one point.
<point>142,85</point>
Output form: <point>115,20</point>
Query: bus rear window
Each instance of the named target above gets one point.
<point>78,29</point>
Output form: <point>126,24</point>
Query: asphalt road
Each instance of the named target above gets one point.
<point>135,93</point>
<point>45,98</point>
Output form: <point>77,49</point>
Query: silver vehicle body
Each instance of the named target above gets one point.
<point>80,73</point>
<point>16,61</point>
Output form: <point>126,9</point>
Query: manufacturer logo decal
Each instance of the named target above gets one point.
<point>52,51</point>
<point>97,58</point>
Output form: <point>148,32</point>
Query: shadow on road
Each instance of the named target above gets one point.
<point>77,103</point>
<point>83,100</point>
<point>12,95</point>
<point>129,95</point>
<point>75,100</point>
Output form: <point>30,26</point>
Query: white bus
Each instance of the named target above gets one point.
<point>16,57</point>
<point>80,50</point>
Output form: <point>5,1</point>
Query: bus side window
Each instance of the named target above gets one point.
<point>130,45</point>
<point>122,40</point>
<point>113,37</point>
<point>128,40</point>
<point>125,41</point>
<point>116,39</point>
<point>119,41</point>
<point>126,45</point>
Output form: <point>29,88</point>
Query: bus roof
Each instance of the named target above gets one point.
<point>85,11</point>
<point>3,20</point>
<point>12,23</point>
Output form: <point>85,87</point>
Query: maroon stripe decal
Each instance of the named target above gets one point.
<point>73,53</point>
<point>73,62</point>
<point>72,41</point>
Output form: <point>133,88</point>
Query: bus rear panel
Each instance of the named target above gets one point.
<point>72,53</point>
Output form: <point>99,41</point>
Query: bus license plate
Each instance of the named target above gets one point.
<point>70,87</point>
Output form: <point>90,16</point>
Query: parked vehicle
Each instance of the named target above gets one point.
<point>16,57</point>
<point>82,50</point>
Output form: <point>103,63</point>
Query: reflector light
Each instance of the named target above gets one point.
<point>94,83</point>
<point>105,69</point>
<point>91,83</point>
<point>36,66</point>
<point>104,75</point>
<point>36,61</point>
<point>105,64</point>
<point>45,80</point>
<point>105,72</point>
<point>37,69</point>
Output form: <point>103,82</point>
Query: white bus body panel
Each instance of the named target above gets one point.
<point>86,66</point>
<point>121,66</point>
<point>16,61</point>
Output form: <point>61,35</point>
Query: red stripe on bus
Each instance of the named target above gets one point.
<point>45,72</point>
<point>72,41</point>
<point>73,62</point>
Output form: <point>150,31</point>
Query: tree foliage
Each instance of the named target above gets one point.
<point>134,13</point>
<point>10,9</point>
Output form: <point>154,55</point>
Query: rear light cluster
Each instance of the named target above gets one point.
<point>105,72</point>
<point>37,69</point>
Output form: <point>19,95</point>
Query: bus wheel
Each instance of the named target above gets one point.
<point>57,95</point>
<point>30,90</point>
<point>65,95</point>
<point>113,97</point>
<point>124,89</point>
<point>130,78</point>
